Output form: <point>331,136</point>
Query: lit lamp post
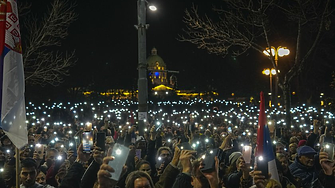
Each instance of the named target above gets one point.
<point>280,51</point>
<point>269,72</point>
<point>142,63</point>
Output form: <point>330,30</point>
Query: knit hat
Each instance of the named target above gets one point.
<point>302,143</point>
<point>306,150</point>
<point>233,157</point>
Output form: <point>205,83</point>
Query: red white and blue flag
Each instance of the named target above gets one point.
<point>264,144</point>
<point>12,88</point>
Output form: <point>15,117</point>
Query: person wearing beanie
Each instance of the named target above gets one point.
<point>238,172</point>
<point>304,166</point>
<point>302,143</point>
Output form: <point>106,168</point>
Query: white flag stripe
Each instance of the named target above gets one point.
<point>273,170</point>
<point>13,112</point>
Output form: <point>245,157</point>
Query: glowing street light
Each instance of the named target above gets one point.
<point>152,7</point>
<point>275,52</point>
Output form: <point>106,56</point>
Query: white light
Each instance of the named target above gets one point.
<point>260,158</point>
<point>118,152</point>
<point>59,157</point>
<point>152,8</point>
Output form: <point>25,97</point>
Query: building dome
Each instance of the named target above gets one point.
<point>153,59</point>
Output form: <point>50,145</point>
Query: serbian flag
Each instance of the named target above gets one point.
<point>13,113</point>
<point>264,144</point>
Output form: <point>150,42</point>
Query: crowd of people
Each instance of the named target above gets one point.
<point>195,143</point>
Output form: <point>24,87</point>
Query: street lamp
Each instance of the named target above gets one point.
<point>269,72</point>
<point>275,52</point>
<point>142,63</point>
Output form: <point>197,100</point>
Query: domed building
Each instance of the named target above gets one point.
<point>157,69</point>
<point>160,85</point>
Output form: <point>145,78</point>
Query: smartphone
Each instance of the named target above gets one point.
<point>262,165</point>
<point>230,130</point>
<point>120,154</point>
<point>87,142</point>
<point>138,153</point>
<point>329,148</point>
<point>39,148</point>
<point>209,161</point>
<point>246,153</point>
<point>158,126</point>
<point>101,138</point>
<point>159,162</point>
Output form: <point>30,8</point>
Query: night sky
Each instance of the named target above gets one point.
<point>105,41</point>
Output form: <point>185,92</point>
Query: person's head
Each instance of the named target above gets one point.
<point>139,179</point>
<point>31,140</point>
<point>50,156</point>
<point>240,163</point>
<point>293,148</point>
<point>283,162</point>
<point>302,143</point>
<point>28,172</point>
<point>280,148</point>
<point>6,141</point>
<point>294,139</point>
<point>165,154</point>
<point>132,147</point>
<point>144,166</point>
<point>306,156</point>
<point>141,144</point>
<point>41,178</point>
<point>233,161</point>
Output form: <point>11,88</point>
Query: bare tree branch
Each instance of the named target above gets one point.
<point>43,61</point>
<point>245,24</point>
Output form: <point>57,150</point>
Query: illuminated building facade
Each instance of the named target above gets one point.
<point>161,87</point>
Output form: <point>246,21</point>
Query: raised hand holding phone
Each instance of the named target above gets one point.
<point>120,154</point>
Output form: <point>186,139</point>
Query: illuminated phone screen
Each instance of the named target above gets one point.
<point>87,142</point>
<point>120,154</point>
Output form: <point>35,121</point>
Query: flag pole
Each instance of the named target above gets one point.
<point>17,164</point>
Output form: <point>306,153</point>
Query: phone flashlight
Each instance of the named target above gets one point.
<point>118,152</point>
<point>59,158</point>
<point>169,140</point>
